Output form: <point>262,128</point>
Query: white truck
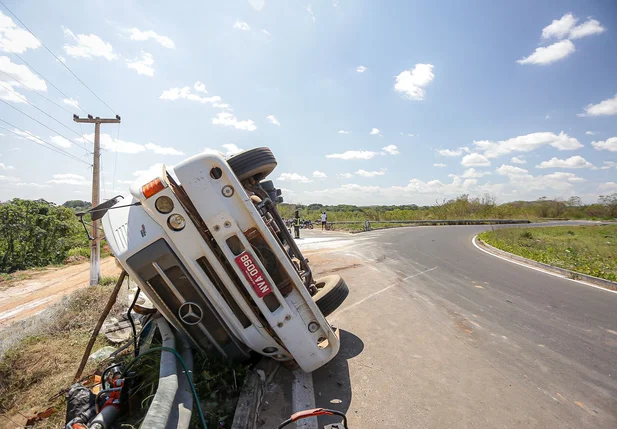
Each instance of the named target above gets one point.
<point>206,244</point>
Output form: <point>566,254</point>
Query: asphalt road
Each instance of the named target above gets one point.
<point>504,345</point>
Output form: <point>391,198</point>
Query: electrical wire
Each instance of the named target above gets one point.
<point>34,91</point>
<point>48,115</point>
<point>42,77</point>
<point>61,62</point>
<point>42,142</point>
<point>39,122</point>
<point>186,372</point>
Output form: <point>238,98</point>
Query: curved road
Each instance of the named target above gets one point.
<point>461,338</point>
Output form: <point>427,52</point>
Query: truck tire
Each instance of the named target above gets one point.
<point>331,292</point>
<point>255,163</point>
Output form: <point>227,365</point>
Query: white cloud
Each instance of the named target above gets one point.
<point>8,93</point>
<point>200,87</point>
<point>60,141</point>
<point>510,170</point>
<point>590,133</point>
<point>153,169</point>
<point>608,186</point>
<point>266,32</point>
<point>608,165</point>
<point>451,152</point>
<point>361,69</point>
<point>68,179</point>
<point>587,28</point>
<point>518,160</point>
<point>440,165</point>
<point>353,154</point>
<point>9,179</point>
<point>391,149</point>
<point>549,54</point>
<point>185,93</point>
<point>344,132</point>
<point>257,4</point>
<point>116,145</point>
<point>6,167</point>
<point>559,28</point>
<point>160,150</point>
<point>227,119</point>
<point>272,119</point>
<point>241,25</point>
<point>32,185</point>
<point>319,175</point>
<point>609,144</point>
<point>143,64</point>
<point>374,132</point>
<point>475,160</point>
<point>71,102</point>
<point>125,182</point>
<point>294,177</point>
<point>345,175</point>
<point>28,136</point>
<point>603,108</point>
<point>527,143</point>
<point>412,82</point>
<point>364,173</point>
<point>231,149</point>
<point>164,41</point>
<point>20,74</point>
<point>14,38</point>
<point>309,9</point>
<point>572,162</point>
<point>88,46</point>
<point>471,173</point>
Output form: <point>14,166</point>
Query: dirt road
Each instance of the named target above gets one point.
<point>31,296</point>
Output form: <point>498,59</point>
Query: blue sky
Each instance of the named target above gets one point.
<point>362,102</point>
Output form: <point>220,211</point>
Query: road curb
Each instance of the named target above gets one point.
<point>252,393</point>
<point>569,274</point>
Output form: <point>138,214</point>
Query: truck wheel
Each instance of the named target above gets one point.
<point>331,292</point>
<point>254,163</point>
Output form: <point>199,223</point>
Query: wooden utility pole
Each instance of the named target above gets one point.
<point>95,244</point>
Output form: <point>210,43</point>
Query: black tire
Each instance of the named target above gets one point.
<point>267,185</point>
<point>331,292</point>
<point>255,163</point>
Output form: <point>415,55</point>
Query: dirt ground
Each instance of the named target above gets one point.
<point>28,297</point>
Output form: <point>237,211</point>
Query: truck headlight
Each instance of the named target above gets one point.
<point>164,204</point>
<point>176,222</point>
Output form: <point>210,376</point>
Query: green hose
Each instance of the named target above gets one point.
<point>188,376</point>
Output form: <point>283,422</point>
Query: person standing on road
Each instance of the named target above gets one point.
<point>324,220</point>
<point>297,224</point>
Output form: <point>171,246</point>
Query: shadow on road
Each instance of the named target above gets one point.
<point>332,382</point>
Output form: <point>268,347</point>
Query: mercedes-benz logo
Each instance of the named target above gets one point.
<point>190,313</point>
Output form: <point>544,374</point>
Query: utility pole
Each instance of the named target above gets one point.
<point>95,244</point>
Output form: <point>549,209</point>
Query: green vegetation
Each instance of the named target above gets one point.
<point>108,281</point>
<point>462,207</point>
<point>39,356</point>
<point>36,233</point>
<point>585,249</point>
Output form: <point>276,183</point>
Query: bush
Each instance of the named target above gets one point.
<point>107,281</point>
<point>527,234</point>
<point>79,251</point>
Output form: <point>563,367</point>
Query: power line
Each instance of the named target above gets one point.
<point>47,114</point>
<point>36,120</point>
<point>41,142</point>
<point>34,91</point>
<point>61,62</point>
<point>43,77</point>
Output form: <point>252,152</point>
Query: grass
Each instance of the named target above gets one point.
<point>589,249</point>
<point>39,356</point>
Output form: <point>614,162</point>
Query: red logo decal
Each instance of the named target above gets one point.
<point>253,274</point>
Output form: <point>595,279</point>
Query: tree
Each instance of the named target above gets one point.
<point>574,201</point>
<point>610,202</point>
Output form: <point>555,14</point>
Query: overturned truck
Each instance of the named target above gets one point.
<point>206,244</point>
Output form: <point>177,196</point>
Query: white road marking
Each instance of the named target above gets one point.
<point>303,398</point>
<point>382,290</point>
<point>474,241</point>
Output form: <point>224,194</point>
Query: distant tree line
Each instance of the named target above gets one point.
<point>463,207</point>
